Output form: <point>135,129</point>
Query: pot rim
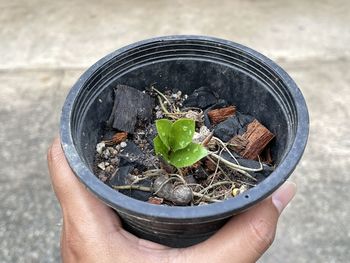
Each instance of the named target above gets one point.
<point>229,207</point>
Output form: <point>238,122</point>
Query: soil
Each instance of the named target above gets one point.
<point>238,145</point>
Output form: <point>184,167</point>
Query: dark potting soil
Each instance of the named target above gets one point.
<point>125,158</point>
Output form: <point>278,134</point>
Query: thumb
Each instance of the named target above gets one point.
<point>76,202</point>
<point>248,235</point>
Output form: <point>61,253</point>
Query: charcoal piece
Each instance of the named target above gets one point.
<point>227,129</point>
<point>131,154</point>
<point>201,98</point>
<point>235,125</point>
<point>244,120</point>
<point>219,104</point>
<point>130,105</point>
<point>120,178</point>
<point>200,174</point>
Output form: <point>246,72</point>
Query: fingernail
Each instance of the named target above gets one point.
<point>284,195</point>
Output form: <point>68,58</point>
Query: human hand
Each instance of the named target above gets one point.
<point>92,232</point>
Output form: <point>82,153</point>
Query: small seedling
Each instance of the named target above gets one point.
<point>174,142</point>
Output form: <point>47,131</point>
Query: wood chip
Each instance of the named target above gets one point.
<point>258,136</point>
<point>210,165</point>
<point>219,115</point>
<point>155,200</point>
<point>238,143</point>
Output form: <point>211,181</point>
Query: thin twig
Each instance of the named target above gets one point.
<point>222,170</point>
<point>205,197</point>
<point>214,185</point>
<point>160,94</point>
<point>207,139</point>
<point>226,149</point>
<point>132,187</point>
<point>180,177</point>
<point>246,174</point>
<point>163,106</point>
<point>235,166</point>
<point>242,182</point>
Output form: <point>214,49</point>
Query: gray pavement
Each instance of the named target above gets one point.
<point>45,46</point>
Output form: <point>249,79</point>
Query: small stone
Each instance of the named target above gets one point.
<point>159,114</point>
<point>110,149</point>
<point>204,131</point>
<point>193,115</point>
<point>115,161</point>
<point>106,154</point>
<point>235,192</point>
<point>109,169</point>
<point>200,136</point>
<point>113,152</point>
<point>197,137</point>
<point>100,146</point>
<point>102,177</point>
<point>130,178</point>
<point>123,144</point>
<point>212,144</point>
<point>102,166</point>
<point>243,188</point>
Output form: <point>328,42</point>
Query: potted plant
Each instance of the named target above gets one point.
<point>228,85</point>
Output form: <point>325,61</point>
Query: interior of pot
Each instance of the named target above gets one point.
<point>237,77</point>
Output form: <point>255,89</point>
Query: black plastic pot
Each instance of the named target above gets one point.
<point>244,77</point>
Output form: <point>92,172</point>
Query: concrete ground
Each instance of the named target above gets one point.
<point>45,46</point>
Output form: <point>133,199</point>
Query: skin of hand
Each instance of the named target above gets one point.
<point>92,232</point>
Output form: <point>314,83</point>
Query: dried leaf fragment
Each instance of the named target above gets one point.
<point>117,138</point>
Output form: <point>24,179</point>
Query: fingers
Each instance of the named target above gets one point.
<point>248,235</point>
<point>75,200</point>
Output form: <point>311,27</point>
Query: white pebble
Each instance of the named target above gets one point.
<point>204,131</point>
<point>123,144</point>
<point>102,166</point>
<point>100,146</point>
<point>243,188</point>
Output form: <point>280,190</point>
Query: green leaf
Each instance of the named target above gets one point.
<point>181,135</point>
<point>164,131</point>
<point>188,156</point>
<point>160,148</point>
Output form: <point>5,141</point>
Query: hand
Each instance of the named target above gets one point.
<point>92,232</point>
